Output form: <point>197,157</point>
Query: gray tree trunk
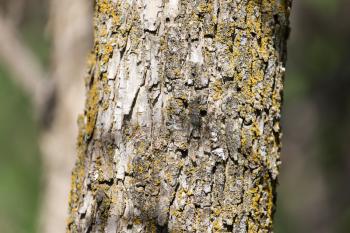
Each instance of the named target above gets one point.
<point>181,126</point>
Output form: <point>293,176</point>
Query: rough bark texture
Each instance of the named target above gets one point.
<point>181,127</point>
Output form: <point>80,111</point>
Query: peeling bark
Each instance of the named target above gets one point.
<point>181,126</point>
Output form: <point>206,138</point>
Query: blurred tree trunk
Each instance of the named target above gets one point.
<point>181,125</point>
<point>56,99</point>
<point>71,33</point>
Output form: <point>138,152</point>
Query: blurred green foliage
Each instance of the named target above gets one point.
<point>20,161</point>
<point>314,191</point>
<point>20,166</point>
<point>326,7</point>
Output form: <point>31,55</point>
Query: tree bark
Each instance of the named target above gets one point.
<point>181,125</point>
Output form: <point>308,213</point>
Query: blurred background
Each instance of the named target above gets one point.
<point>314,190</point>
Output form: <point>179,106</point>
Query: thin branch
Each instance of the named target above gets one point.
<point>21,61</point>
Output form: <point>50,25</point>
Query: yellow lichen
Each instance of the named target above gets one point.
<point>107,8</point>
<point>217,225</point>
<point>217,89</point>
<point>205,8</point>
<point>93,97</point>
<point>107,51</point>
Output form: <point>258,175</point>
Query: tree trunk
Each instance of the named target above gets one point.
<point>181,126</point>
<point>71,41</point>
<point>56,99</point>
